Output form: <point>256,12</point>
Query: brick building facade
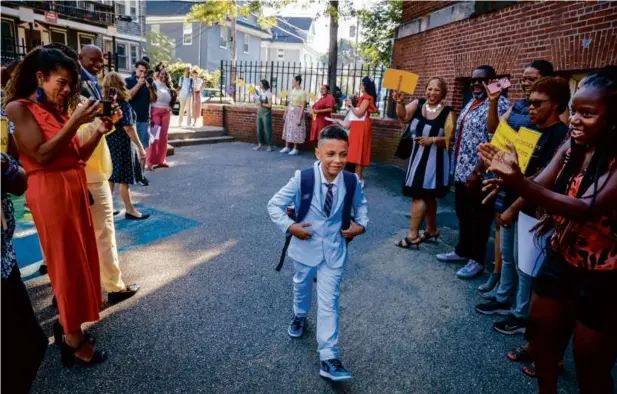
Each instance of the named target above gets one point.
<point>449,39</point>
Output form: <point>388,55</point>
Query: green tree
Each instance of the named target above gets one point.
<point>160,48</point>
<point>378,25</point>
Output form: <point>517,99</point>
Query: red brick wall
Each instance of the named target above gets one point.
<point>240,122</point>
<point>416,9</point>
<point>509,39</point>
<point>212,115</point>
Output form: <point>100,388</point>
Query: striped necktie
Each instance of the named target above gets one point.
<point>329,197</point>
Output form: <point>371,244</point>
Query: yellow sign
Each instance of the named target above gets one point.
<point>4,126</point>
<point>240,82</point>
<point>403,81</point>
<point>526,142</point>
<point>312,96</point>
<point>251,89</point>
<point>283,94</point>
<point>503,136</point>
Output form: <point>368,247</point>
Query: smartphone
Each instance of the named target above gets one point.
<point>111,94</point>
<point>502,84</point>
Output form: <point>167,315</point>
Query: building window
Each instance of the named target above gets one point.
<point>58,36</point>
<point>223,38</point>
<point>120,8</point>
<point>134,53</point>
<point>246,43</point>
<point>280,54</point>
<point>187,35</point>
<point>84,39</point>
<point>107,47</point>
<point>155,28</point>
<point>121,52</point>
<point>134,7</point>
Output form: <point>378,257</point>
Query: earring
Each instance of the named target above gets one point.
<point>40,94</point>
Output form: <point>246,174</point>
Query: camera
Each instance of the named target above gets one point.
<point>149,80</point>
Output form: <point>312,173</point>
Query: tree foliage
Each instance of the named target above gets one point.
<point>378,25</point>
<point>160,48</point>
<point>176,70</point>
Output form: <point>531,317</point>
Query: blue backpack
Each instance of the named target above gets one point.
<point>307,186</point>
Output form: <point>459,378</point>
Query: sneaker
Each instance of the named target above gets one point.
<point>471,270</point>
<point>293,152</point>
<point>511,325</point>
<point>285,150</point>
<point>493,308</point>
<point>451,257</point>
<point>334,370</point>
<point>144,181</point>
<point>269,149</point>
<point>296,327</point>
<point>257,148</point>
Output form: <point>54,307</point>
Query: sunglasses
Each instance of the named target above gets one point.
<point>474,81</point>
<point>537,103</point>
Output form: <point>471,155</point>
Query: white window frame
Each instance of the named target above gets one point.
<point>280,53</point>
<point>80,35</point>
<point>128,8</point>
<point>123,3</point>
<point>58,31</point>
<point>156,30</point>
<point>246,44</point>
<point>224,38</point>
<point>127,55</point>
<point>187,28</point>
<point>111,45</point>
<point>137,57</point>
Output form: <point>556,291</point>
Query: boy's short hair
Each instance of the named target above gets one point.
<point>333,132</point>
<point>142,63</point>
<point>557,90</point>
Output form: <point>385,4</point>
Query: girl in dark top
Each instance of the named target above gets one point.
<point>516,117</point>
<point>432,125</point>
<point>125,147</point>
<point>575,291</point>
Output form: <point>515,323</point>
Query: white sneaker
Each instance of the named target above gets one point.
<point>451,257</point>
<point>285,150</point>
<point>257,148</point>
<point>293,152</point>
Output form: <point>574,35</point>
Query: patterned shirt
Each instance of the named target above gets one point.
<point>9,259</point>
<point>474,132</point>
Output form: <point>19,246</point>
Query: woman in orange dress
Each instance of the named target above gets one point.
<point>361,133</point>
<point>39,92</point>
<point>322,109</point>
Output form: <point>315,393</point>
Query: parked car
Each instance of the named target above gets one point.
<point>213,96</point>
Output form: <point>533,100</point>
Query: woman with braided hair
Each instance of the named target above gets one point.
<point>575,291</point>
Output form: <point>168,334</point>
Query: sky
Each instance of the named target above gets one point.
<point>322,24</point>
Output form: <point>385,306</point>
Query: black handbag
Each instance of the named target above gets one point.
<point>403,151</point>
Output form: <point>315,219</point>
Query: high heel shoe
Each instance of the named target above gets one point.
<point>69,358</point>
<point>59,332</point>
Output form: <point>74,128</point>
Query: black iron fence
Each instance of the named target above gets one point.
<point>240,78</point>
<point>89,11</point>
<point>11,51</point>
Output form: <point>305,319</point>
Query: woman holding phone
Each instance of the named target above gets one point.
<point>125,146</point>
<point>432,125</point>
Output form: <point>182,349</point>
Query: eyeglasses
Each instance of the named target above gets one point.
<point>536,103</point>
<point>474,81</point>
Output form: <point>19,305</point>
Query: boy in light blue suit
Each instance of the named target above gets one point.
<point>318,246</point>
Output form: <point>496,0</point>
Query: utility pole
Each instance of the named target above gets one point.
<point>333,50</point>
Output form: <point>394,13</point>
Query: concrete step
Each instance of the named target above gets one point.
<point>198,132</point>
<point>170,150</point>
<point>200,141</point>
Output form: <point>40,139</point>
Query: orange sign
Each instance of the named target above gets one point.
<point>51,17</point>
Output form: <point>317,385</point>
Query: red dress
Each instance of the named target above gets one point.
<point>58,198</point>
<point>361,135</point>
<point>320,121</point>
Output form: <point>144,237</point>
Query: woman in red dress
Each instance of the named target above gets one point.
<point>361,133</point>
<point>43,86</point>
<point>322,108</point>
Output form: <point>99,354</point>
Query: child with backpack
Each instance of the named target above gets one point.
<point>324,197</point>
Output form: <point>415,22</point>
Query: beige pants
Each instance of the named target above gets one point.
<point>103,219</point>
<point>185,104</point>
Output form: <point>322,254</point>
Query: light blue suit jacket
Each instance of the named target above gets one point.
<point>327,243</point>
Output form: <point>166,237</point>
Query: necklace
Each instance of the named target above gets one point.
<point>432,110</point>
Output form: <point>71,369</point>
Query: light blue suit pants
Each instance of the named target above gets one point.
<point>328,294</point>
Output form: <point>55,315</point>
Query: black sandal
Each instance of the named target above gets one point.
<point>519,355</point>
<point>69,358</point>
<point>530,370</point>
<point>410,243</point>
<point>59,332</point>
<point>428,236</point>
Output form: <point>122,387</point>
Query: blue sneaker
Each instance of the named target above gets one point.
<point>471,270</point>
<point>334,370</point>
<point>296,327</point>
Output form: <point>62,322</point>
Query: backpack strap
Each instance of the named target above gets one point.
<point>351,182</point>
<point>307,185</point>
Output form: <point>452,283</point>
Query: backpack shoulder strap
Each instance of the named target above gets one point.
<point>307,185</point>
<point>351,182</point>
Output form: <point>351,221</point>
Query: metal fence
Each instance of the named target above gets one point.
<point>238,78</point>
<point>11,51</point>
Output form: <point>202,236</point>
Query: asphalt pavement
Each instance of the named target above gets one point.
<point>212,313</point>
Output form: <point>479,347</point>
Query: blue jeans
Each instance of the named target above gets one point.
<point>510,273</point>
<point>143,131</point>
